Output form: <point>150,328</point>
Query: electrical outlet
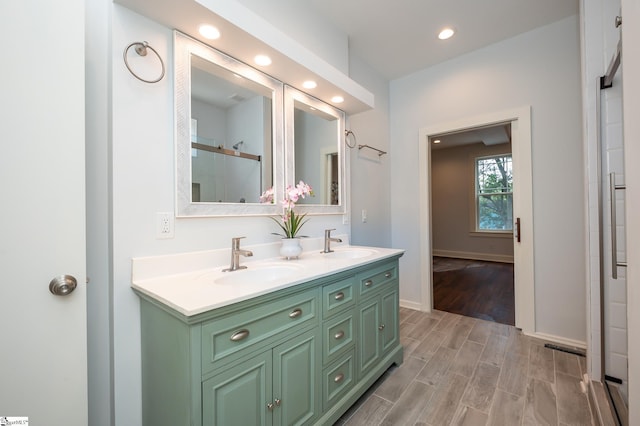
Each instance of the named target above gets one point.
<point>164,225</point>
<point>364,215</point>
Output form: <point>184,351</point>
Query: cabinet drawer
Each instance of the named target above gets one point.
<point>338,335</point>
<point>237,333</point>
<point>373,280</point>
<point>338,379</point>
<point>338,296</point>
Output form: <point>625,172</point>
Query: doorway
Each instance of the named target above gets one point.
<point>523,255</point>
<point>472,223</point>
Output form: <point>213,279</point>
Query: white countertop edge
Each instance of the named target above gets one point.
<point>184,293</point>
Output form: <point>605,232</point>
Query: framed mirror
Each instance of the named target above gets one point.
<point>229,141</point>
<point>314,151</point>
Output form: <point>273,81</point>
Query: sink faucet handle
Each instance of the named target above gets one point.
<point>327,232</point>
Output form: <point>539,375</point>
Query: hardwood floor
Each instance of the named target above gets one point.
<point>474,288</point>
<point>459,370</point>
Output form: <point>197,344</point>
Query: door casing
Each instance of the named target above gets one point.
<point>523,254</point>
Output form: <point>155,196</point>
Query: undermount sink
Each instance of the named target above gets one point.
<point>349,253</point>
<point>257,274</point>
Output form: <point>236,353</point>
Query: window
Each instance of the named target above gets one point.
<point>494,194</point>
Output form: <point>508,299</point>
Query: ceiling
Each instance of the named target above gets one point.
<point>399,37</point>
<point>488,135</point>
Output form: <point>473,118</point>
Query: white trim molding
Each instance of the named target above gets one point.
<point>524,283</point>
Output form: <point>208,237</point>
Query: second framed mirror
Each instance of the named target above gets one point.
<point>314,151</point>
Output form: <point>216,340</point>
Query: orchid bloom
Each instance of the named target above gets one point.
<point>291,223</point>
<point>267,196</point>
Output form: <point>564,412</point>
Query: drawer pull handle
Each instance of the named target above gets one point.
<point>339,296</point>
<point>381,327</point>
<point>339,335</point>
<point>387,275</point>
<point>368,283</point>
<point>295,313</point>
<point>239,335</point>
<point>338,378</point>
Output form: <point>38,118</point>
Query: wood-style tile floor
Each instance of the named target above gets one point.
<point>459,370</point>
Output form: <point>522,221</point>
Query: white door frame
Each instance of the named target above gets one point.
<point>520,119</point>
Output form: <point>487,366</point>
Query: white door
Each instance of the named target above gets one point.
<point>43,353</point>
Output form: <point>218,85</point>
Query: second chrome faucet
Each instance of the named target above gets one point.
<point>328,239</point>
<point>236,252</point>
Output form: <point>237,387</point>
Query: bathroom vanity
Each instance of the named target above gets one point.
<point>278,343</point>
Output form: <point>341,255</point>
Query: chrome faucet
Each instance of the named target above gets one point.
<point>236,252</point>
<point>328,239</point>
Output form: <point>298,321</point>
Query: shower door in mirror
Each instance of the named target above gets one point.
<point>227,133</point>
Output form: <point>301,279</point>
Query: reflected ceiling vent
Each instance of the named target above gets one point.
<point>237,98</point>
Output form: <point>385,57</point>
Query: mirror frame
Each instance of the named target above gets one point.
<point>291,95</point>
<point>184,47</point>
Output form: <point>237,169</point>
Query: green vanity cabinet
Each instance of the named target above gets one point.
<point>237,396</point>
<point>301,355</point>
<point>277,387</point>
<point>378,314</point>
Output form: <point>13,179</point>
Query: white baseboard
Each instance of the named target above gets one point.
<point>474,256</point>
<point>560,340</point>
<point>410,305</point>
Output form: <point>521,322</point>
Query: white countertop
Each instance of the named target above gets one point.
<point>192,283</point>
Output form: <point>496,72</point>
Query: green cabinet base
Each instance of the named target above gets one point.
<point>297,356</point>
<point>331,415</point>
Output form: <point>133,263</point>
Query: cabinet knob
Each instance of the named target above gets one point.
<point>387,275</point>
<point>278,402</point>
<point>239,335</point>
<point>338,378</point>
<point>339,296</point>
<point>270,406</point>
<point>381,327</point>
<point>368,283</point>
<point>339,335</point>
<point>295,313</point>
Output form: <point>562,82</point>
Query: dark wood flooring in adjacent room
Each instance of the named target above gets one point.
<point>474,288</point>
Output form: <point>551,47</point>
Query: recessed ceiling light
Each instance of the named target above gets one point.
<point>446,33</point>
<point>262,60</point>
<point>337,99</point>
<point>436,141</point>
<point>209,32</point>
<point>309,84</point>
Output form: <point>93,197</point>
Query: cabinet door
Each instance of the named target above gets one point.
<point>369,336</point>
<point>389,320</point>
<point>239,396</point>
<point>296,380</point>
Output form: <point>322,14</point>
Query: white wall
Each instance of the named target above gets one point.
<point>98,199</point>
<point>370,173</point>
<point>540,68</point>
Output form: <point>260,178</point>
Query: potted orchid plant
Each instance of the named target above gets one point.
<point>290,222</point>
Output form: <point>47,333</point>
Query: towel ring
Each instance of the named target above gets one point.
<point>346,138</point>
<point>141,49</point>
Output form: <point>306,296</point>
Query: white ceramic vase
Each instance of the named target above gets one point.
<point>290,248</point>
